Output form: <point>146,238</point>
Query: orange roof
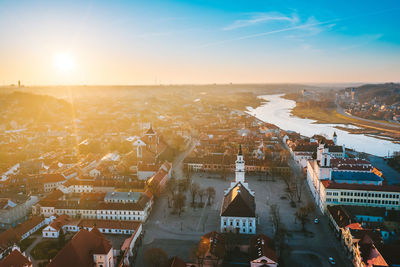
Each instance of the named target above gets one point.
<point>60,221</point>
<point>26,226</point>
<point>51,178</point>
<point>354,226</point>
<point>15,259</point>
<point>80,250</point>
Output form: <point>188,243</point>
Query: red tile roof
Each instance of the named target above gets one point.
<point>60,221</point>
<point>15,259</point>
<point>51,178</point>
<point>79,251</point>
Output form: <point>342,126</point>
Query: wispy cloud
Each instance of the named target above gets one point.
<point>259,18</point>
<point>292,28</point>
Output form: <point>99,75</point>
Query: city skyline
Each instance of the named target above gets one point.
<point>201,42</point>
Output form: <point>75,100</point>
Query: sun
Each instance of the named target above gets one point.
<point>64,62</point>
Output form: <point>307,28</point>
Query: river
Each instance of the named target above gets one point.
<point>277,111</point>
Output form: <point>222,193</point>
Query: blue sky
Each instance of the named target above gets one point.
<point>171,41</point>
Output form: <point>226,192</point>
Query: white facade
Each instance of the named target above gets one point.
<point>102,260</point>
<point>378,197</point>
<point>124,215</point>
<point>244,225</point>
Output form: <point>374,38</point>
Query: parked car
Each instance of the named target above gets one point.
<point>316,220</point>
<point>331,261</point>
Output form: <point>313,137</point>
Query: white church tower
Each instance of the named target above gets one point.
<point>239,172</point>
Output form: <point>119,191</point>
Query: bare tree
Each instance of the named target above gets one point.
<point>171,189</point>
<point>280,231</point>
<point>291,195</point>
<point>201,193</point>
<point>194,189</point>
<point>275,216</point>
<point>288,180</point>
<point>299,187</point>
<point>179,202</point>
<point>210,194</point>
<point>302,214</point>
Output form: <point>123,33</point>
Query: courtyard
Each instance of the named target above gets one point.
<point>177,235</point>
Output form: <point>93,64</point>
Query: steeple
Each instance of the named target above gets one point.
<point>239,173</point>
<point>334,138</point>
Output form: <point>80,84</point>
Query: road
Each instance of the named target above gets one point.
<point>38,239</point>
<point>322,245</point>
<point>381,123</point>
<point>177,167</point>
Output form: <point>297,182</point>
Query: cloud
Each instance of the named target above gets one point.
<point>259,18</point>
<point>305,26</point>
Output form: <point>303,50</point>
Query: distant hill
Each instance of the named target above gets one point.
<point>151,90</point>
<point>22,106</point>
<point>387,93</point>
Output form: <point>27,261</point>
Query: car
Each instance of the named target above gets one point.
<point>316,220</point>
<point>331,261</point>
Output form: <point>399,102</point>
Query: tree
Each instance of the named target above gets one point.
<point>188,173</point>
<point>210,194</point>
<point>288,180</point>
<point>201,193</point>
<point>171,189</point>
<point>280,231</point>
<point>179,202</point>
<point>298,187</point>
<point>194,189</point>
<point>275,216</point>
<point>302,214</point>
<point>291,194</point>
<point>155,257</point>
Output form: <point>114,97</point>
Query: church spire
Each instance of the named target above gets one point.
<point>240,150</point>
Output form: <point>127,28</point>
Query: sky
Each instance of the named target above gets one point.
<point>199,42</point>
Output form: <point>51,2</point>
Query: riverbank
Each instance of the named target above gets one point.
<point>277,110</point>
<point>331,116</point>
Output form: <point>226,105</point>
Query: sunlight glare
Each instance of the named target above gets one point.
<point>64,62</point>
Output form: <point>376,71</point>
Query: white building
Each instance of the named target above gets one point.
<point>238,211</point>
<point>94,206</point>
<point>348,182</point>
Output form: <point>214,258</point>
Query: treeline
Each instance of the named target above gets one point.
<point>322,104</point>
